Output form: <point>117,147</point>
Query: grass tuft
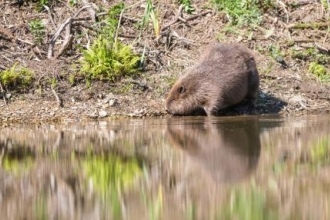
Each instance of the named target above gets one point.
<point>106,61</point>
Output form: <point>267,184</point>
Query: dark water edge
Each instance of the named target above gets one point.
<point>170,168</point>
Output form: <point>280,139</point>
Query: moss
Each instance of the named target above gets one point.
<point>16,78</point>
<point>319,71</point>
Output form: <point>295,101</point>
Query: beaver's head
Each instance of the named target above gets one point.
<point>185,97</point>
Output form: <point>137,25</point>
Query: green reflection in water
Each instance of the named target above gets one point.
<point>320,152</point>
<point>247,203</point>
<point>41,207</point>
<point>154,205</point>
<point>110,175</point>
<point>191,211</point>
<point>18,166</point>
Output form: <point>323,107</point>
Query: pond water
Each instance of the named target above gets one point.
<point>169,168</point>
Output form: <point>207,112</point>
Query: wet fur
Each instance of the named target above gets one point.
<point>225,75</point>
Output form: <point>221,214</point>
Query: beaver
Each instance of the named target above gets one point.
<point>225,75</point>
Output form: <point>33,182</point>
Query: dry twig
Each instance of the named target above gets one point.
<point>59,31</point>
<point>58,100</point>
<point>67,41</point>
<point>50,15</point>
<point>179,18</point>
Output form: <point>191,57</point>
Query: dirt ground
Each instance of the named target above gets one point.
<point>286,86</point>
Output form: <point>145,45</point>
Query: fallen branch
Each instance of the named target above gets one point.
<point>325,47</point>
<point>199,15</point>
<point>59,31</point>
<point>67,41</point>
<point>314,25</point>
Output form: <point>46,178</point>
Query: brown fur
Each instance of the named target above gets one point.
<point>225,75</point>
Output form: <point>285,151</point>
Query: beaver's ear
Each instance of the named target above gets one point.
<point>181,89</point>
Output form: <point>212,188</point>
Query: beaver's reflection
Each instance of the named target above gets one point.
<point>227,151</point>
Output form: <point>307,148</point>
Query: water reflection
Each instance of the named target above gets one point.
<point>175,168</point>
<point>227,151</point>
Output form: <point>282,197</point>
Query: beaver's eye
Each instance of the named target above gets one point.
<point>181,89</point>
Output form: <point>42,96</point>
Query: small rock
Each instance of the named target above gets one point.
<point>92,115</point>
<point>105,106</point>
<point>106,100</point>
<point>103,114</point>
<point>112,102</point>
<point>111,95</point>
<point>8,95</point>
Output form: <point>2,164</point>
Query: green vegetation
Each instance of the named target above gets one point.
<point>248,204</point>
<point>326,4</point>
<point>105,61</point>
<point>320,152</point>
<point>37,29</point>
<point>43,2</point>
<point>187,7</point>
<point>111,172</point>
<point>317,62</point>
<point>18,166</point>
<point>275,52</point>
<point>242,12</point>
<point>110,175</point>
<point>320,71</point>
<point>16,78</point>
<point>41,207</point>
<point>73,2</point>
<point>310,54</point>
<point>154,205</point>
<point>108,59</point>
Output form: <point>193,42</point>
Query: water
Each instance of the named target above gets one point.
<point>174,168</point>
